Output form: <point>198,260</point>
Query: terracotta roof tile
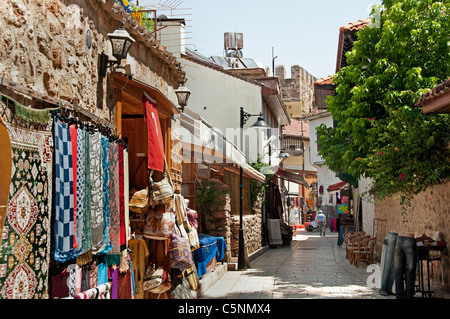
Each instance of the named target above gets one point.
<point>354,26</point>
<point>325,81</point>
<point>434,93</point>
<point>315,112</point>
<point>295,128</point>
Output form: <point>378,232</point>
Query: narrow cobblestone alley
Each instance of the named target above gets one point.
<point>312,267</point>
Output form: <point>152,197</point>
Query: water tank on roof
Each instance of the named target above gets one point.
<point>234,41</point>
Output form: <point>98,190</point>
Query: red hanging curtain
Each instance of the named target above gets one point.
<point>155,136</point>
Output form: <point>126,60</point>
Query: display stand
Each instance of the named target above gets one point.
<point>275,232</point>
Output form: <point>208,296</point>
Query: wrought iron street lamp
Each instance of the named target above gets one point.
<point>121,42</point>
<point>260,123</point>
<point>183,94</point>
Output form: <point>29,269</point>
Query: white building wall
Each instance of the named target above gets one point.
<point>367,204</point>
<point>218,97</point>
<point>325,177</point>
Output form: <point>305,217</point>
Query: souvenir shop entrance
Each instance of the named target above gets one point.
<point>144,119</point>
<point>132,126</point>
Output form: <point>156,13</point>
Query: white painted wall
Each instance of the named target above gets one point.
<point>368,204</point>
<point>217,97</point>
<point>325,177</point>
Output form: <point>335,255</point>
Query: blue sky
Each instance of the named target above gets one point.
<point>302,32</point>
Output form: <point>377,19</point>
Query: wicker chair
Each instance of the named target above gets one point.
<point>364,252</point>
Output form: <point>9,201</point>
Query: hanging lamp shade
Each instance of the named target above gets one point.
<point>260,123</point>
<point>283,154</point>
<point>121,42</point>
<point>183,94</point>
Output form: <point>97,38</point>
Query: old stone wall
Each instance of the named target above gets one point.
<point>429,213</point>
<point>252,233</point>
<point>298,88</point>
<point>218,219</point>
<point>53,47</point>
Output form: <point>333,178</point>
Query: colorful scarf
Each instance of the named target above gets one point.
<point>113,256</point>
<point>96,193</point>
<point>74,140</point>
<point>126,194</point>
<point>114,282</point>
<point>86,256</point>
<point>100,292</point>
<point>105,191</point>
<point>64,224</point>
<point>79,228</point>
<point>122,198</point>
<point>25,244</point>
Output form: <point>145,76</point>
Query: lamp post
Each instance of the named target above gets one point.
<point>260,123</point>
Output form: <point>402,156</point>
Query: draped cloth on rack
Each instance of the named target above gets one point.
<point>105,189</point>
<point>64,223</point>
<point>100,292</point>
<point>122,198</point>
<point>113,256</point>
<point>5,166</point>
<point>79,222</point>
<point>96,193</point>
<point>86,254</point>
<point>74,141</point>
<point>25,244</point>
<point>210,247</point>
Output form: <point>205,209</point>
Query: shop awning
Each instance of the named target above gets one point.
<point>132,90</point>
<point>291,177</point>
<point>337,186</point>
<point>218,150</point>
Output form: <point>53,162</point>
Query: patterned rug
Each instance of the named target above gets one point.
<point>25,240</point>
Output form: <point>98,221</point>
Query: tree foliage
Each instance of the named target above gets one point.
<point>381,134</point>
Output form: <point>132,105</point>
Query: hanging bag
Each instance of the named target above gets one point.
<point>154,277</point>
<point>139,202</point>
<point>189,232</point>
<point>180,255</point>
<point>162,191</point>
<point>157,280</point>
<point>159,226</point>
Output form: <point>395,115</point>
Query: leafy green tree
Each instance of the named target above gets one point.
<point>380,133</point>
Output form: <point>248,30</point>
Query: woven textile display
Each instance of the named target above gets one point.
<point>64,193</point>
<point>25,241</point>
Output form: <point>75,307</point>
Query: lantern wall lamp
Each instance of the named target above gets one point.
<point>121,42</point>
<point>183,94</point>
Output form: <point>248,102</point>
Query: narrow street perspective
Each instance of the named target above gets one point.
<point>199,151</point>
<point>312,267</point>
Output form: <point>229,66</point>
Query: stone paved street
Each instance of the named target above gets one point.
<point>313,267</point>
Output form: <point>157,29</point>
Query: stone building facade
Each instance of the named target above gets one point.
<point>297,92</point>
<point>222,223</point>
<point>429,213</point>
<point>53,47</point>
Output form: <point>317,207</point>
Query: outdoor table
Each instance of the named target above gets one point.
<point>428,253</point>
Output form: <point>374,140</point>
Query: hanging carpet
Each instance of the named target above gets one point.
<point>25,240</point>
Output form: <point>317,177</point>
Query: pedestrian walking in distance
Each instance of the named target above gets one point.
<point>321,220</point>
